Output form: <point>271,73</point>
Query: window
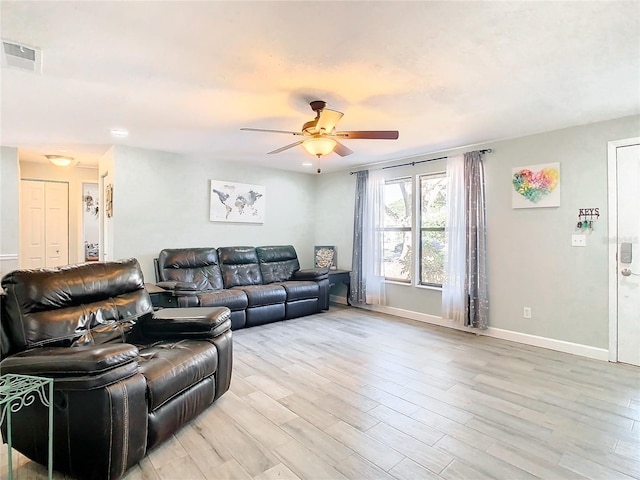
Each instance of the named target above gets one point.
<point>397,229</point>
<point>433,215</point>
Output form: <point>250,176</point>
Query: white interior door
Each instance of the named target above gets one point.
<point>625,226</point>
<point>32,225</point>
<point>57,224</point>
<point>44,224</point>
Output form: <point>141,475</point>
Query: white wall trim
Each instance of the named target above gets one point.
<point>612,196</point>
<point>550,343</point>
<point>524,338</point>
<point>8,262</point>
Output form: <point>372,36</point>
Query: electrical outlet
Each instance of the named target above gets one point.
<point>578,240</point>
<point>526,312</point>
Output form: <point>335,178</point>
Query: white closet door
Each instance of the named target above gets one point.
<point>44,224</point>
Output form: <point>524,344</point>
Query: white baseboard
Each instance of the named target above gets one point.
<point>524,338</point>
<point>8,262</point>
<point>550,343</point>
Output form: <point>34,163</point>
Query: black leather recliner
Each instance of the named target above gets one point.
<point>125,378</point>
<point>258,284</point>
<point>193,277</point>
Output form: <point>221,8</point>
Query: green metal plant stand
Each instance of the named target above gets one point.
<point>18,391</point>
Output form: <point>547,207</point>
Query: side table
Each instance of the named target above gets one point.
<point>160,298</point>
<point>343,276</point>
<point>17,391</point>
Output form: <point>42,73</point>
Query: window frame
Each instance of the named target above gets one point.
<point>415,229</point>
<point>409,229</point>
<point>420,229</point>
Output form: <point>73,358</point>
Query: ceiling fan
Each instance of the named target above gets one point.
<point>320,136</point>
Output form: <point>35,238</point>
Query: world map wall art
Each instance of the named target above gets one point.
<point>236,202</point>
<point>536,186</point>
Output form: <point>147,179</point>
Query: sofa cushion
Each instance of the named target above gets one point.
<point>232,299</point>
<point>172,367</point>
<point>239,266</point>
<point>277,263</point>
<point>90,303</point>
<point>259,295</point>
<point>300,290</point>
<point>196,266</point>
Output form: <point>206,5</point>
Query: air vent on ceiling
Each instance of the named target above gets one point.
<point>20,56</point>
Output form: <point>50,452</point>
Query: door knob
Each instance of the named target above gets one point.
<point>626,272</point>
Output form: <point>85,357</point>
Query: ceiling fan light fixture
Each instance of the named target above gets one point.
<point>317,134</point>
<point>60,160</point>
<point>319,146</point>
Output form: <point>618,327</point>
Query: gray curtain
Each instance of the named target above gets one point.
<point>476,242</point>
<point>358,287</point>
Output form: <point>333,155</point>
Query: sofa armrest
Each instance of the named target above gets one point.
<point>76,367</point>
<point>160,286</point>
<point>311,274</point>
<point>179,288</point>
<point>99,415</point>
<point>195,322</point>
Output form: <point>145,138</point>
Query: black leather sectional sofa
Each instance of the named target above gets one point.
<point>125,377</point>
<point>258,284</point>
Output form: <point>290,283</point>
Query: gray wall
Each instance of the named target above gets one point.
<point>161,200</point>
<point>9,181</point>
<point>335,201</point>
<point>530,258</point>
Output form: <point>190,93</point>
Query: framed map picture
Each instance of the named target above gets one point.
<point>236,202</point>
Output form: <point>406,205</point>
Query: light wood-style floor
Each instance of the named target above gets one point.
<point>358,395</point>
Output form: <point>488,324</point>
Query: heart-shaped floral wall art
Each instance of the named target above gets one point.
<point>536,186</point>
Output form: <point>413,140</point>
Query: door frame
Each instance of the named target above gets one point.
<point>612,197</point>
<point>102,227</point>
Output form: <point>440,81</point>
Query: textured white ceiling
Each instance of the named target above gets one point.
<point>185,76</point>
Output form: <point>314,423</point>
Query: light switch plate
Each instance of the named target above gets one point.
<point>578,240</point>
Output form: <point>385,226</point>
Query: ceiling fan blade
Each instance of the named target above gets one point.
<point>373,134</point>
<point>286,147</point>
<point>341,150</point>
<point>270,131</point>
<point>327,121</point>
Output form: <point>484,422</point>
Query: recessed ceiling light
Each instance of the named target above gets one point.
<point>306,164</point>
<point>119,132</point>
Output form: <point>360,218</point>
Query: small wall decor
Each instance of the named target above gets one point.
<point>586,217</point>
<point>325,257</point>
<point>236,202</point>
<point>536,186</point>
<point>91,221</point>
<point>90,199</point>
<point>108,201</point>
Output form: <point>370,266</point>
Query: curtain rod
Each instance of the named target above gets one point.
<point>486,150</point>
